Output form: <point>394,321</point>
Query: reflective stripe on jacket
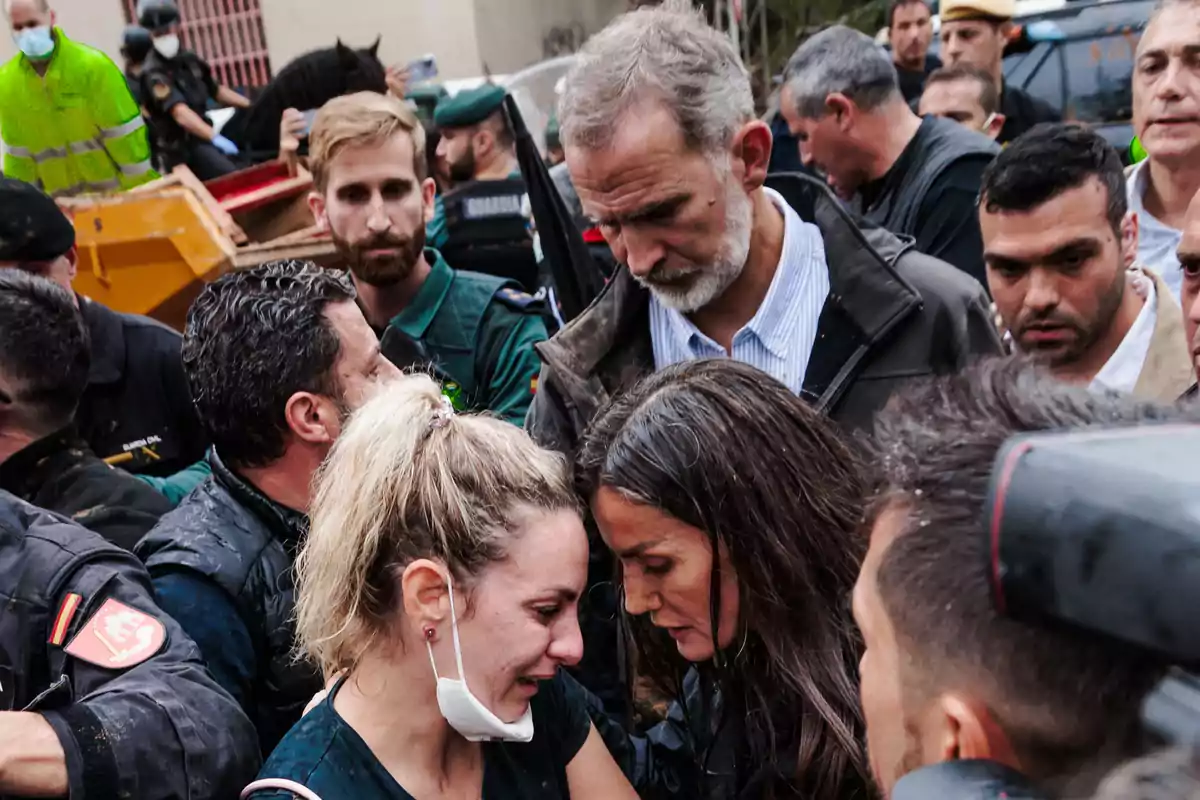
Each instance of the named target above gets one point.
<point>75,130</point>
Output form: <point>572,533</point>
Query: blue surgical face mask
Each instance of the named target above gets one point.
<point>35,42</point>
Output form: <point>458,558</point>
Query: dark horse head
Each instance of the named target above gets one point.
<point>308,82</point>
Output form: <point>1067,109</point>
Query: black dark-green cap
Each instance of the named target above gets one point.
<point>469,107</point>
<point>33,228</point>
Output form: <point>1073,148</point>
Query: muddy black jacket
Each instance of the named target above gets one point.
<point>228,534</point>
<point>160,728</point>
<point>60,473</point>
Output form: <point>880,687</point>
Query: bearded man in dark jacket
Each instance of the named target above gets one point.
<point>276,358</point>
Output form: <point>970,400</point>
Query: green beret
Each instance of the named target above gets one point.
<point>469,107</point>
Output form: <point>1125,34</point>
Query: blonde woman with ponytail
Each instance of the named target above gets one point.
<point>441,577</point>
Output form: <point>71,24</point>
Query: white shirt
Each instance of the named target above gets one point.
<point>1158,243</point>
<point>1123,368</point>
<point>779,338</point>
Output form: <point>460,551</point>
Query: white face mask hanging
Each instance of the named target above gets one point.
<point>471,718</point>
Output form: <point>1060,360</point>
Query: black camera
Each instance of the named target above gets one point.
<point>1100,530</point>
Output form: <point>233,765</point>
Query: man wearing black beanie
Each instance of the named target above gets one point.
<point>136,412</point>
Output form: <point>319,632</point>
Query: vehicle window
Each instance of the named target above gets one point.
<point>1046,83</point>
<point>1100,77</point>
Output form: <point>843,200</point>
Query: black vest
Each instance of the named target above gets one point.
<point>939,143</point>
<point>237,538</point>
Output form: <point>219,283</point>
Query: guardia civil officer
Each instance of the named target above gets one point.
<point>176,87</point>
<point>43,373</point>
<point>102,695</point>
<point>136,412</point>
<point>475,145</point>
<point>372,192</point>
<point>481,223</point>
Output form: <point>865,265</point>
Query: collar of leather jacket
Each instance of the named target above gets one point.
<point>287,524</point>
<point>973,779</point>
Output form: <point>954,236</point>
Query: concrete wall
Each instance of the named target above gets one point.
<point>410,29</point>
<point>98,23</point>
<point>524,32</point>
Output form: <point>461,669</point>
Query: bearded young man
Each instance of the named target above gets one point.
<point>374,195</point>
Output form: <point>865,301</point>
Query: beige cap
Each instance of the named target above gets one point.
<point>953,10</point>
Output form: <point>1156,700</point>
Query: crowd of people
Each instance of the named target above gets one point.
<point>372,531</point>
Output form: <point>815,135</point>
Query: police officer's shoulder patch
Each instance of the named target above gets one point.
<point>515,298</point>
<point>161,90</point>
<point>118,637</point>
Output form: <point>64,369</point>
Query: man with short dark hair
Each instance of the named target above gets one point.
<point>954,694</point>
<point>974,33</point>
<point>910,30</point>
<point>136,412</point>
<point>43,373</point>
<point>966,95</point>
<point>1060,248</point>
<point>916,177</point>
<point>277,358</point>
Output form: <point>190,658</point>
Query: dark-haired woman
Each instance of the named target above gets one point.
<point>734,509</point>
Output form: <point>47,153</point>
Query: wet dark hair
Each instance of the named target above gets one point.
<point>1048,160</point>
<point>730,451</point>
<point>45,352</point>
<point>1068,701</point>
<point>253,339</point>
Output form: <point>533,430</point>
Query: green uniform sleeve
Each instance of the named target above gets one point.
<point>180,485</point>
<point>436,232</point>
<point>507,361</point>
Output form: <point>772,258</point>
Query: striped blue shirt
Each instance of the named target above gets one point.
<point>779,338</point>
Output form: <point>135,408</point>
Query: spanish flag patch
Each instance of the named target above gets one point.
<point>62,622</point>
<point>533,384</point>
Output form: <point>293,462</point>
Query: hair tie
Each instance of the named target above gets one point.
<point>443,414</point>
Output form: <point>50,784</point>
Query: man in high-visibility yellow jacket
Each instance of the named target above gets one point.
<point>67,119</point>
